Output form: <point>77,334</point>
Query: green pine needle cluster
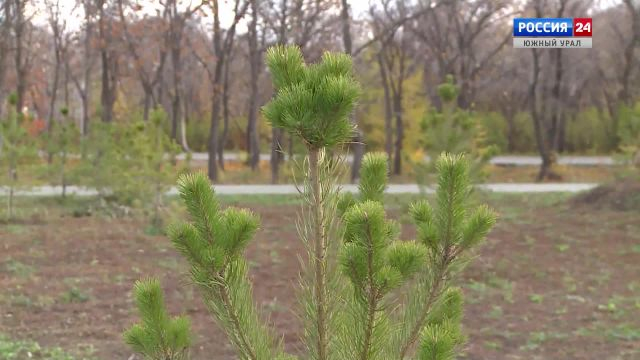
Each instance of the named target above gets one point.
<point>312,101</point>
<point>157,336</point>
<point>365,294</point>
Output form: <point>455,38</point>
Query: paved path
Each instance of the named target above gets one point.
<point>291,189</point>
<point>506,160</point>
<point>514,160</point>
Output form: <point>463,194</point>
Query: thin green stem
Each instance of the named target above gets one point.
<point>13,176</point>
<point>372,302</point>
<point>415,331</point>
<point>371,313</point>
<point>319,252</point>
<point>243,342</point>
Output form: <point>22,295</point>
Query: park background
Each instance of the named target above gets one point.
<point>121,96</point>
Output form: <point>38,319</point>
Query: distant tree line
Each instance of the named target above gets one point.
<point>201,62</point>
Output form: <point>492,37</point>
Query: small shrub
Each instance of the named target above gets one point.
<point>75,295</point>
<point>589,131</point>
<point>629,133</point>
<point>496,130</point>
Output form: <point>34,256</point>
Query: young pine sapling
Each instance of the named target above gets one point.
<point>63,140</point>
<point>16,145</point>
<point>132,165</point>
<point>365,294</point>
<point>453,130</point>
<point>158,336</point>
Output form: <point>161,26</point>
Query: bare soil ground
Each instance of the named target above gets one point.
<point>623,195</point>
<point>552,282</point>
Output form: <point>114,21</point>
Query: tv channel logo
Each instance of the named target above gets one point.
<point>532,33</point>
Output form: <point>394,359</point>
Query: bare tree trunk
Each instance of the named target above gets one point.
<point>397,109</point>
<point>290,146</point>
<point>175,101</point>
<point>146,105</point>
<point>5,31</point>
<point>54,93</point>
<point>160,88</point>
<point>358,140</point>
<point>225,113</point>
<point>183,134</point>
<point>556,116</point>
<point>20,58</point>
<point>221,50</point>
<point>253,144</point>
<point>177,22</point>
<point>537,121</point>
<point>630,61</point>
<point>213,136</point>
<point>177,120</point>
<point>85,89</point>
<point>276,134</point>
<point>537,114</point>
<point>52,99</point>
<point>84,100</point>
<point>57,29</point>
<point>388,116</point>
<point>65,56</point>
<point>105,98</point>
<point>276,153</point>
<point>109,67</point>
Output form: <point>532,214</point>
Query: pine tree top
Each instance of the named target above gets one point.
<point>312,101</point>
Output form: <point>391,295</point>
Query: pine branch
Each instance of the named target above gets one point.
<point>434,293</point>
<point>447,234</point>
<point>371,259</point>
<point>242,341</point>
<point>213,245</point>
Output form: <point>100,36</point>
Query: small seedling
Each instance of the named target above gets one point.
<point>536,298</point>
<point>75,295</point>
